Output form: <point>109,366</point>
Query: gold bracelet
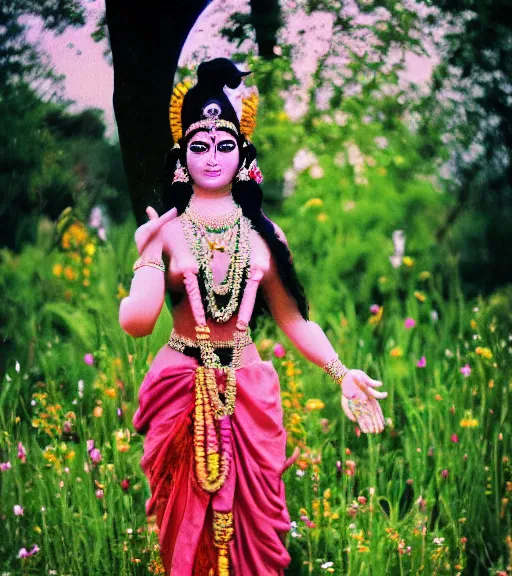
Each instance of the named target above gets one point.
<point>336,369</point>
<point>140,262</point>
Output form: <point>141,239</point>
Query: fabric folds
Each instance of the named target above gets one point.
<point>183,509</point>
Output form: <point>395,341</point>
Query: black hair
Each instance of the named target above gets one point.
<point>249,196</point>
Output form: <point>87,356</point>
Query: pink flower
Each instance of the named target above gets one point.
<point>444,473</point>
<point>410,322</point>
<point>99,493</point>
<point>279,351</point>
<point>89,359</point>
<point>350,467</point>
<point>24,554</point>
<point>454,438</point>
<point>95,456</point>
<point>66,427</point>
<point>422,362</point>
<point>421,503</point>
<point>22,453</point>
<point>5,466</point>
<point>90,445</point>
<point>465,370</point>
<point>374,308</point>
<point>125,484</point>
<point>18,510</point>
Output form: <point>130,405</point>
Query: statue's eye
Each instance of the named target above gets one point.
<point>198,147</point>
<point>226,146</point>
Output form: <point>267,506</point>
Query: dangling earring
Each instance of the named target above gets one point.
<point>180,174</point>
<point>243,173</point>
<point>251,173</point>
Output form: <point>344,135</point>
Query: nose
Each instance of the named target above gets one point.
<point>212,156</point>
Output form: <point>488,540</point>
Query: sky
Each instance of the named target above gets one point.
<point>89,76</point>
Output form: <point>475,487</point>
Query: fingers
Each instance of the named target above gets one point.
<point>152,213</point>
<point>372,382</point>
<point>376,393</point>
<point>167,216</point>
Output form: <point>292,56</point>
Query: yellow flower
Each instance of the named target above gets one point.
<point>408,261</point>
<point>396,352</point>
<point>420,296</point>
<point>282,116</point>
<point>98,411</point>
<point>424,275</point>
<point>121,292</point>
<point>78,232</point>
<point>327,493</point>
<point>468,421</point>
<point>70,455</point>
<point>473,324</point>
<point>110,392</point>
<point>86,282</point>
<point>485,352</point>
<point>322,217</point>
<point>69,273</point>
<point>90,249</point>
<point>37,529</point>
<point>66,241</point>
<point>86,272</point>
<point>376,318</point>
<point>87,260</point>
<point>314,404</point>
<point>314,202</point>
<point>398,160</point>
<point>57,269</point>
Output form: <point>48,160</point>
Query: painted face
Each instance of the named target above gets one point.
<point>212,159</point>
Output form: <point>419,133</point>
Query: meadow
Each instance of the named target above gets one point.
<point>430,495</point>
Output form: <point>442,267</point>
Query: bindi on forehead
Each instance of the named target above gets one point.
<point>216,136</point>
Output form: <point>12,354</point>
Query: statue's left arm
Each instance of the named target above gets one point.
<point>359,396</point>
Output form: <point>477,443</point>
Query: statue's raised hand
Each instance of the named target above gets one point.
<point>147,237</point>
<point>359,401</point>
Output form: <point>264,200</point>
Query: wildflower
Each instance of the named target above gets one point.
<point>18,510</point>
<point>377,317</point>
<point>424,275</point>
<point>314,404</point>
<point>69,273</point>
<point>396,352</point>
<point>121,292</point>
<point>98,411</point>
<point>90,249</point>
<point>350,467</point>
<point>125,485</point>
<point>57,269</point>
<point>279,351</point>
<point>22,453</point>
<point>23,553</point>
<point>444,473</point>
<point>484,352</point>
<point>314,202</point>
<point>374,308</point>
<point>322,217</point>
<point>468,421</point>
<point>95,456</point>
<point>422,362</point>
<point>454,438</point>
<point>438,541</point>
<point>89,359</point>
<point>408,261</point>
<point>409,323</point>
<point>420,295</point>
<point>422,504</point>
<point>326,565</point>
<point>300,473</point>
<point>465,370</point>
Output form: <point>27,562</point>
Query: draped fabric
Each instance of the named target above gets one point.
<point>254,485</point>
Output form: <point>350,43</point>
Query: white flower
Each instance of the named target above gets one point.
<point>349,205</point>
<point>17,367</point>
<point>340,159</point>
<point>395,260</point>
<point>304,159</point>
<point>300,473</point>
<point>290,177</point>
<point>326,565</point>
<point>381,142</point>
<point>398,237</point>
<point>438,541</point>
<point>80,388</point>
<point>341,118</point>
<point>434,315</point>
<point>316,172</point>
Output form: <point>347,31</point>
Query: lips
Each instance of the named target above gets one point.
<point>212,173</point>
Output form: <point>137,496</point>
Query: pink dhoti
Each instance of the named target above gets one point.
<point>254,489</point>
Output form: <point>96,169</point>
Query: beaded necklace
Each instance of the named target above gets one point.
<point>198,230</point>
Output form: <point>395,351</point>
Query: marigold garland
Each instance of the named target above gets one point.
<point>248,119</point>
